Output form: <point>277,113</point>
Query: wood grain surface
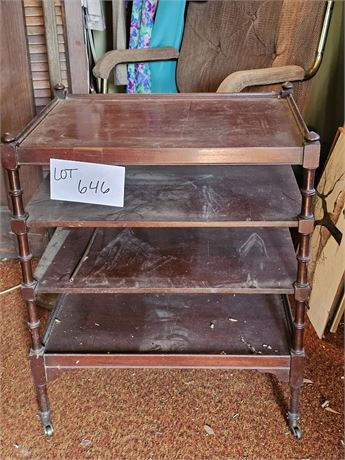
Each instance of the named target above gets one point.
<point>207,260</point>
<point>169,129</point>
<point>188,196</point>
<point>213,324</point>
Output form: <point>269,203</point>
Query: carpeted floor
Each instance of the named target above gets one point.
<point>161,414</point>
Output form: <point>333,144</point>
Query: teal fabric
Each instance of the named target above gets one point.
<point>167,31</point>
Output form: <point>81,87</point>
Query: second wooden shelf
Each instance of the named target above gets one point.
<point>184,196</point>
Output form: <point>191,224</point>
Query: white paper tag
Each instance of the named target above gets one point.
<point>87,182</point>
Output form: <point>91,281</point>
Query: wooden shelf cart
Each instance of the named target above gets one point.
<point>198,268</point>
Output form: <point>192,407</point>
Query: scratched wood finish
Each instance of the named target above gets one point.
<point>183,197</point>
<point>181,129</point>
<point>216,260</point>
<point>180,324</point>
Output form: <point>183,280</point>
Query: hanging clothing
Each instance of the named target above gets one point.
<point>143,13</point>
<point>167,31</point>
<point>119,38</point>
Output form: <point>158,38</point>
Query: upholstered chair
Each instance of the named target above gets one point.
<point>231,46</point>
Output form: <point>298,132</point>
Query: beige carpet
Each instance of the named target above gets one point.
<point>161,414</point>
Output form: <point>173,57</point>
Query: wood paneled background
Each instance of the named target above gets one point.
<point>39,34</point>
<point>17,105</point>
<point>34,57</point>
<point>25,89</point>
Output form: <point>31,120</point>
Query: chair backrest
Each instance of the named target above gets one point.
<point>222,37</point>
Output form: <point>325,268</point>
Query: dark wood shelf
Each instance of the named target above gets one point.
<point>169,324</point>
<point>166,129</point>
<point>197,268</point>
<point>206,260</point>
<point>185,196</point>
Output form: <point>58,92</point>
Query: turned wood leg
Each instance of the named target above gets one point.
<point>18,226</point>
<point>302,291</point>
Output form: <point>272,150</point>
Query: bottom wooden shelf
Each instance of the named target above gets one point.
<point>246,331</point>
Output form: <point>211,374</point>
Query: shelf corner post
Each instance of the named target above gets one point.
<point>302,287</point>
<point>19,228</point>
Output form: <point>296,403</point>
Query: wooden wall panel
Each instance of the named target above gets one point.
<point>17,104</point>
<point>17,107</point>
<point>16,87</point>
<point>326,269</point>
<point>78,65</point>
<point>43,80</point>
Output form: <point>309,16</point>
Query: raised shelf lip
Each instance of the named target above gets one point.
<point>297,116</point>
<point>163,290</point>
<point>174,96</point>
<point>35,122</point>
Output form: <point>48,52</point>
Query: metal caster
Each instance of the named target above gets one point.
<point>49,430</point>
<point>296,431</point>
<point>294,426</point>
<point>46,422</point>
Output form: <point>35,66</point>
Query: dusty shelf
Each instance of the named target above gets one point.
<point>165,129</point>
<point>197,260</point>
<point>184,196</point>
<point>169,324</point>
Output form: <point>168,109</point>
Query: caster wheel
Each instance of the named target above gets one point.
<point>296,432</point>
<point>49,430</point>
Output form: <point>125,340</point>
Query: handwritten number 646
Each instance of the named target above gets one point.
<point>93,186</point>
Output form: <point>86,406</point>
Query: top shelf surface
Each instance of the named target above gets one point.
<point>166,129</point>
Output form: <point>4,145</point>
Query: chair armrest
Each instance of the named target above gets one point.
<point>237,81</point>
<point>110,59</point>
